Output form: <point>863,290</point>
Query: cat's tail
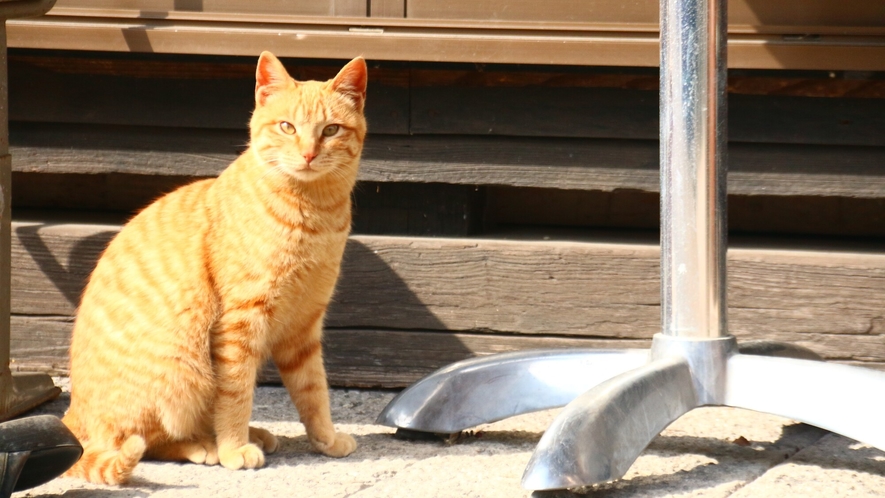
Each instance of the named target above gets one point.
<point>109,466</point>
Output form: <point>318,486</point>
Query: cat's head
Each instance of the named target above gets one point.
<point>309,129</point>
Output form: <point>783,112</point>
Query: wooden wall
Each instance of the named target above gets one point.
<point>500,207</point>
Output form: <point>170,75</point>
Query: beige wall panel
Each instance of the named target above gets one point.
<point>388,8</point>
<point>282,7</point>
<point>742,13</point>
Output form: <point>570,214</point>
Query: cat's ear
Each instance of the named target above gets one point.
<point>270,76</point>
<point>351,81</point>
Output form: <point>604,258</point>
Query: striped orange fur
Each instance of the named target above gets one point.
<point>206,283</point>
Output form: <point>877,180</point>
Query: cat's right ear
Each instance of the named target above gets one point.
<point>270,76</point>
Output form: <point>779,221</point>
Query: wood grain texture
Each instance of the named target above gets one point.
<point>601,287</point>
<point>370,358</point>
<point>562,163</point>
<point>633,114</point>
<point>201,93</point>
<point>354,358</point>
<point>740,82</point>
<point>171,93</point>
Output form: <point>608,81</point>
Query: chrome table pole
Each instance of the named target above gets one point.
<point>693,168</point>
<point>616,402</point>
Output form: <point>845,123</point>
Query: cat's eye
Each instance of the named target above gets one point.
<point>288,128</point>
<point>330,130</point>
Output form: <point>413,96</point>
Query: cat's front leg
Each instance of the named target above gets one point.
<point>300,363</point>
<point>236,360</point>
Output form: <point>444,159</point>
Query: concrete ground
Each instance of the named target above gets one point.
<point>710,452</point>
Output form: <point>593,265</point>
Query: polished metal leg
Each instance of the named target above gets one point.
<point>482,390</point>
<point>840,398</point>
<point>599,435</point>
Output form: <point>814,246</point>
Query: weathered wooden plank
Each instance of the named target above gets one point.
<point>561,163</point>
<point>64,253</point>
<point>388,208</point>
<point>633,114</point>
<point>397,358</point>
<point>740,82</point>
<point>602,287</point>
<point>41,343</point>
<point>113,192</point>
<point>177,92</point>
<point>354,358</point>
<point>94,149</point>
<point>218,94</point>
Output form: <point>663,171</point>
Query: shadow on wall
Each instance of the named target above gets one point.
<point>66,266</point>
<point>357,351</point>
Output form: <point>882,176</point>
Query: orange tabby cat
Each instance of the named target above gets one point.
<point>202,286</point>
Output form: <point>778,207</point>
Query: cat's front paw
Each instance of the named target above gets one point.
<point>343,445</point>
<point>248,456</point>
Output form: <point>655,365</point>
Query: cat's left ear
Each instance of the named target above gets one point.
<point>270,77</point>
<point>351,81</point>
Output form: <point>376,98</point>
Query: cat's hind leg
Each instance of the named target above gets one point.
<point>202,451</point>
<point>103,465</point>
<point>263,439</point>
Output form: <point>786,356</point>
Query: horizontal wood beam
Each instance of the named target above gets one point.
<point>370,358</point>
<point>87,29</point>
<point>354,358</point>
<point>627,113</point>
<point>191,92</point>
<point>574,164</point>
<point>828,298</point>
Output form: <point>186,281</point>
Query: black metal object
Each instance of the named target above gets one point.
<point>34,450</point>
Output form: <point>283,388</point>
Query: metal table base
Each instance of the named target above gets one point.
<point>616,402</point>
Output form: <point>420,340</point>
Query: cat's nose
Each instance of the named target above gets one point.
<point>308,156</point>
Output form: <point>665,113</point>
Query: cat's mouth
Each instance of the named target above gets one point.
<point>305,172</point>
<point>306,168</point>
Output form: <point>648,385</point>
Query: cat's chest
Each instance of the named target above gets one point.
<point>306,260</point>
<point>304,283</point>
